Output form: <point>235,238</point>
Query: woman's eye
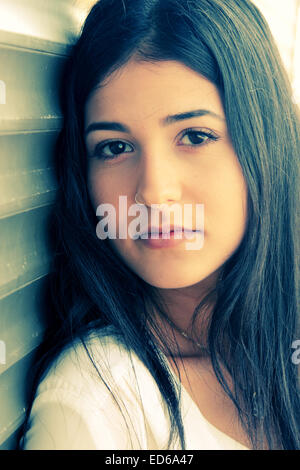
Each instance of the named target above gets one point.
<point>109,150</point>
<point>192,138</point>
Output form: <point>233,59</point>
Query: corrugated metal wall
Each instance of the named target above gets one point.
<point>35,38</point>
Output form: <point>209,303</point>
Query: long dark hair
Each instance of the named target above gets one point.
<point>254,320</point>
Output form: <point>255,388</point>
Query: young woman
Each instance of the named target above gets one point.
<point>151,345</point>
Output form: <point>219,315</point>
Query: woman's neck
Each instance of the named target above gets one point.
<point>179,333</point>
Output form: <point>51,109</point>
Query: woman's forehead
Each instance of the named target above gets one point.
<point>165,87</point>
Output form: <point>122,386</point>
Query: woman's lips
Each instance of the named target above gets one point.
<point>157,240</point>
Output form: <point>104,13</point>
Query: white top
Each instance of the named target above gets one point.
<point>73,408</point>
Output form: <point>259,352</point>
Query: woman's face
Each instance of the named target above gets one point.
<point>189,160</point>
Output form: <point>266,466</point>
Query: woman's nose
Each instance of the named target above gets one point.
<point>159,179</point>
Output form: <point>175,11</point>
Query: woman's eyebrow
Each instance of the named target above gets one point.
<point>117,126</point>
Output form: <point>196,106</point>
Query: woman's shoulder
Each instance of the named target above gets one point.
<point>95,370</point>
<point>101,384</point>
<point>83,362</point>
